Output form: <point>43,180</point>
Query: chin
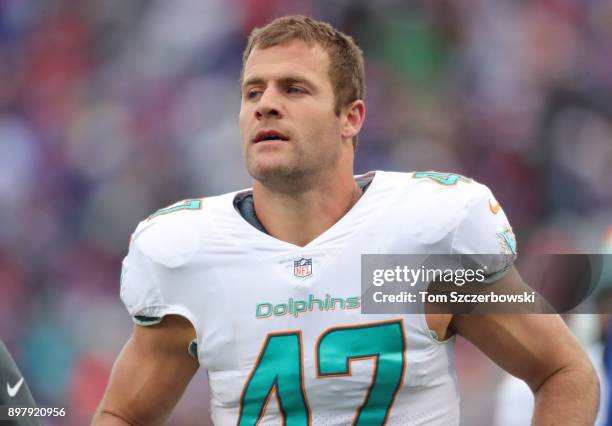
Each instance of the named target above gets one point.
<point>269,174</point>
<point>271,171</point>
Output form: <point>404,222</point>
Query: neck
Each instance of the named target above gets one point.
<point>301,216</point>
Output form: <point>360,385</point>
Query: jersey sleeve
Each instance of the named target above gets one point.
<point>158,249</point>
<point>140,292</point>
<point>484,236</point>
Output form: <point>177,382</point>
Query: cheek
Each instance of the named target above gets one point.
<point>243,123</point>
<point>324,123</point>
<point>329,128</point>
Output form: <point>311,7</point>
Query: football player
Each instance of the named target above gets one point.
<point>261,287</point>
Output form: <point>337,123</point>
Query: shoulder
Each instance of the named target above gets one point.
<point>444,190</point>
<point>171,235</point>
<point>161,244</point>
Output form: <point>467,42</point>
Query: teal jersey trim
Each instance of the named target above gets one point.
<point>443,178</point>
<point>186,205</point>
<point>509,240</point>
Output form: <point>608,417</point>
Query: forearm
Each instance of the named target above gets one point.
<point>120,408</point>
<point>568,397</point>
<point>149,376</point>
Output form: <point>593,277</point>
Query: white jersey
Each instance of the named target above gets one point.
<point>273,318</point>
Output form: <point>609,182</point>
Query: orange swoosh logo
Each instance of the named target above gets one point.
<point>494,207</point>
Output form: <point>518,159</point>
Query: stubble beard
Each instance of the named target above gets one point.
<point>296,175</point>
<point>284,178</point>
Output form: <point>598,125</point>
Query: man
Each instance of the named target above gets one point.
<point>15,392</point>
<point>216,281</point>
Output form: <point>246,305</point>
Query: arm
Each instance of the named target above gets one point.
<point>149,376</point>
<point>541,350</point>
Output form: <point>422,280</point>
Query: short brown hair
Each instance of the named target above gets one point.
<point>345,72</point>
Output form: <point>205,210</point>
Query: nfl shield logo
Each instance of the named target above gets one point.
<point>302,267</point>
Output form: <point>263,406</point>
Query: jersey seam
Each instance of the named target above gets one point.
<point>452,338</point>
<point>198,245</point>
<point>421,313</point>
<point>463,216</point>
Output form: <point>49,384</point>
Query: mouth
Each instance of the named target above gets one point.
<point>270,136</point>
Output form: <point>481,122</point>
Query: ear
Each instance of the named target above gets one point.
<point>352,119</point>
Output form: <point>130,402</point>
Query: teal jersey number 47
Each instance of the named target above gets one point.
<point>279,368</point>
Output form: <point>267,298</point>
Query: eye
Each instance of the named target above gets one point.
<point>295,89</point>
<point>252,93</point>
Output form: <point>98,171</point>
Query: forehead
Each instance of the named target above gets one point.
<point>287,58</point>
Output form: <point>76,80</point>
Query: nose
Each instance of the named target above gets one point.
<point>268,105</point>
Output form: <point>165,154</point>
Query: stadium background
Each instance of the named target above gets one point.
<point>110,110</point>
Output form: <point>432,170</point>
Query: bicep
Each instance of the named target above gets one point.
<point>151,373</point>
<point>531,347</point>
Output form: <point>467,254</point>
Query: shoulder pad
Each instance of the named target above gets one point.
<point>171,235</point>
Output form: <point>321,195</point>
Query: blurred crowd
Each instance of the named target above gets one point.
<point>111,109</point>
